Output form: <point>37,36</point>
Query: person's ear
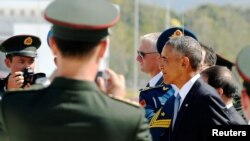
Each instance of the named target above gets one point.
<point>7,62</point>
<point>220,91</point>
<point>103,45</point>
<point>185,62</point>
<point>53,46</point>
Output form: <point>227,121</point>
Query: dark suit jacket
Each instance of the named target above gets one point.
<point>152,99</point>
<point>3,82</point>
<point>71,110</point>
<point>235,117</point>
<point>200,111</point>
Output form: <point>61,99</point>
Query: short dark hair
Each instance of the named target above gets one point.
<point>75,48</point>
<point>10,56</point>
<point>210,57</point>
<point>221,77</point>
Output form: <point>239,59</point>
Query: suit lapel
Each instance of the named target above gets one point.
<point>186,104</point>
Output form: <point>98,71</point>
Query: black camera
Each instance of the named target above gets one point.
<point>31,77</point>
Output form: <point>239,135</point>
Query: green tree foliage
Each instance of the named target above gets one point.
<point>225,28</point>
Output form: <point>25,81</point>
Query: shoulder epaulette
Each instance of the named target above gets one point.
<point>125,100</point>
<point>163,87</point>
<point>31,88</point>
<point>37,87</point>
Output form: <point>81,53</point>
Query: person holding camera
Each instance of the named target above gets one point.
<point>20,51</point>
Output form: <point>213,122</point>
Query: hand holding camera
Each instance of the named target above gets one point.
<point>30,77</point>
<point>23,79</point>
<point>112,83</point>
<point>15,81</point>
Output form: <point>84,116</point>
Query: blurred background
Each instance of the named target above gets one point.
<point>223,25</point>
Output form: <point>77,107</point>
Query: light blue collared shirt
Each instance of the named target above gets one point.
<point>155,79</point>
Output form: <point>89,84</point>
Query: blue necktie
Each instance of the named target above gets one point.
<point>176,108</point>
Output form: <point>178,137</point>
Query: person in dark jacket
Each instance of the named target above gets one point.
<point>222,80</point>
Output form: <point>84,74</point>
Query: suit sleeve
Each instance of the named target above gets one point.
<point>216,114</point>
<point>142,132</point>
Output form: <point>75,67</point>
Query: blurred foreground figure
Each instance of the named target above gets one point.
<point>72,107</point>
<point>243,67</point>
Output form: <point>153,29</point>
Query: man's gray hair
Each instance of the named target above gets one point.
<point>188,47</point>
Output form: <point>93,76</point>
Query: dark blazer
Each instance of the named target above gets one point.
<point>71,110</point>
<point>160,124</point>
<point>235,117</point>
<point>200,111</point>
<point>152,99</point>
<point>3,82</point>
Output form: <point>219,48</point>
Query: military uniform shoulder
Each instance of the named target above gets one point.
<point>35,87</point>
<point>158,87</point>
<point>126,101</point>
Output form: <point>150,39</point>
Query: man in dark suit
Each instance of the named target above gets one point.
<point>211,59</point>
<point>20,51</point>
<point>197,106</point>
<point>242,65</point>
<point>72,107</point>
<point>153,98</point>
<point>224,83</point>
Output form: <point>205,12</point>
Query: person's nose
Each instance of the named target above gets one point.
<point>138,58</point>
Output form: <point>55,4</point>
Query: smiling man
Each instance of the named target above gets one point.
<point>197,105</point>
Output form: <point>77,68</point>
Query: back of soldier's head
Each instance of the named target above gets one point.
<point>79,26</point>
<point>243,67</point>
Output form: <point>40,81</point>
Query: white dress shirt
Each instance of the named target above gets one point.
<point>155,79</point>
<point>186,88</point>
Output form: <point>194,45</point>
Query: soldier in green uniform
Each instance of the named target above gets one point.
<point>72,107</point>
<point>243,68</point>
<point>20,51</point>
